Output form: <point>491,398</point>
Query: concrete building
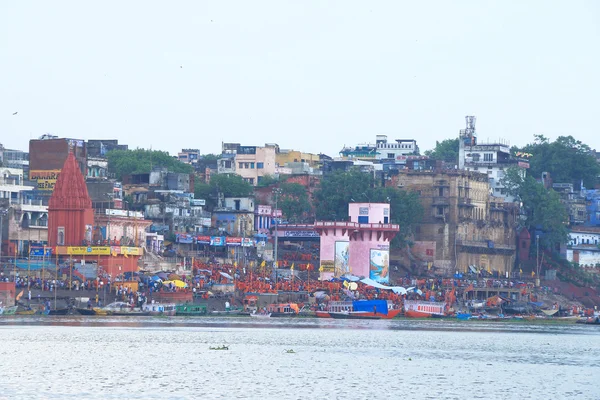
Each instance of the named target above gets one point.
<point>26,220</point>
<point>252,163</point>
<point>382,149</point>
<point>285,157</point>
<point>360,247</point>
<point>14,159</point>
<point>583,247</point>
<point>47,156</point>
<point>100,147</point>
<point>462,225</point>
<point>492,158</point>
<point>189,156</point>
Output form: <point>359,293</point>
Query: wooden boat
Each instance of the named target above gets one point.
<point>259,315</point>
<point>26,312</point>
<point>159,309</point>
<point>354,315</point>
<point>191,310</point>
<point>589,321</point>
<point>322,314</point>
<point>86,311</point>
<point>120,308</point>
<point>283,310</point>
<point>219,348</point>
<point>424,309</point>
<point>58,311</point>
<point>8,310</point>
<point>416,314</point>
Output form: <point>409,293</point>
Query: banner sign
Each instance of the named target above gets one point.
<point>46,179</point>
<point>217,241</point>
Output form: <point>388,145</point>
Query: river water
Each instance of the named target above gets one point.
<point>170,358</point>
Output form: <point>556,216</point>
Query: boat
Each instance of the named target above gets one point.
<point>260,315</point>
<point>159,309</point>
<point>86,311</point>
<point>8,310</point>
<point>353,315</point>
<point>424,309</point>
<point>463,316</point>
<point>191,310</point>
<point>120,308</point>
<point>219,348</point>
<point>57,311</point>
<point>283,310</point>
<point>589,321</point>
<point>380,309</point>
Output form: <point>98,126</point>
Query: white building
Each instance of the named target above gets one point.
<point>492,159</point>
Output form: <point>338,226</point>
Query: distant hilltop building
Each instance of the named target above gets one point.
<point>492,158</point>
<point>381,150</point>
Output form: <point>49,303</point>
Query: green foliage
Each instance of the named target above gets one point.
<point>141,161</point>
<point>230,185</point>
<point>293,202</point>
<point>446,150</point>
<point>210,157</point>
<point>266,181</point>
<point>339,189</point>
<point>568,160</point>
<point>543,209</point>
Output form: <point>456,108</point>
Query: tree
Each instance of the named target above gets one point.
<point>568,160</point>
<point>542,208</point>
<point>293,202</point>
<point>141,161</point>
<point>336,191</point>
<point>266,180</point>
<point>229,185</point>
<point>446,150</point>
<point>339,189</point>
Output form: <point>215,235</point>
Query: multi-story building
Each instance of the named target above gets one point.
<point>14,159</point>
<point>488,158</point>
<point>189,156</point>
<point>100,147</point>
<point>26,220</point>
<point>382,150</point>
<point>574,202</point>
<point>252,163</point>
<point>285,157</point>
<point>463,226</point>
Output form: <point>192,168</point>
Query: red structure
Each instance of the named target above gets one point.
<point>71,223</point>
<point>70,213</point>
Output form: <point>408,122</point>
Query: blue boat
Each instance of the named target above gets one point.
<point>463,316</point>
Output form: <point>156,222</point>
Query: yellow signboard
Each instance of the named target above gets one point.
<point>46,179</point>
<point>327,266</point>
<point>88,251</point>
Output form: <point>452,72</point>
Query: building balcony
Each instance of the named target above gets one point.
<point>440,201</point>
<point>464,202</point>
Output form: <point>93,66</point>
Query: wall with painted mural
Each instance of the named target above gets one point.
<point>341,263</point>
<point>379,269</point>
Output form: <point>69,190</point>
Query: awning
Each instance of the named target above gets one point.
<point>226,275</point>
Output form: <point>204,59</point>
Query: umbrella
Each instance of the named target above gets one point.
<point>178,283</point>
<point>162,275</point>
<point>174,277</point>
<point>156,278</point>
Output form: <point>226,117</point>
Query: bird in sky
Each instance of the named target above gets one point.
<point>15,113</point>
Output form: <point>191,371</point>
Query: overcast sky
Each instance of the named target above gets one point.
<point>308,75</point>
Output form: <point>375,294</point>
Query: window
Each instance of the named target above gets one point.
<point>246,165</point>
<point>227,164</point>
<point>441,192</point>
<point>251,165</point>
<point>475,157</point>
<point>260,165</point>
<point>440,210</point>
<point>241,165</point>
<point>390,155</point>
<point>61,236</point>
<point>251,181</point>
<point>440,231</point>
<point>488,157</point>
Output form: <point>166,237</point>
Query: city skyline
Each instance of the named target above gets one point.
<point>306,76</point>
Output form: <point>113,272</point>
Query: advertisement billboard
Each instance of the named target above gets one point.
<point>46,179</point>
<point>379,268</point>
<point>341,258</point>
<point>217,241</point>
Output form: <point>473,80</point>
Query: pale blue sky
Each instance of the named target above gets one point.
<point>309,75</point>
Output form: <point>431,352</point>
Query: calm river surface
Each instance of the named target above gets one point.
<point>169,358</point>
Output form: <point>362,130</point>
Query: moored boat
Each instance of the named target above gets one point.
<point>159,309</point>
<point>86,311</point>
<point>424,309</point>
<point>8,310</point>
<point>260,315</point>
<point>283,310</point>
<point>57,311</point>
<point>354,315</point>
<point>120,308</point>
<point>191,310</point>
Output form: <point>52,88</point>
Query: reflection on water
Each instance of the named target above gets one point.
<point>152,358</point>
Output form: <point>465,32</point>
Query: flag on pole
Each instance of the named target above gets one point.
<point>532,274</point>
<point>263,264</point>
<point>292,267</point>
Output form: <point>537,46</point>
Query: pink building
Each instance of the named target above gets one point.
<point>359,247</point>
